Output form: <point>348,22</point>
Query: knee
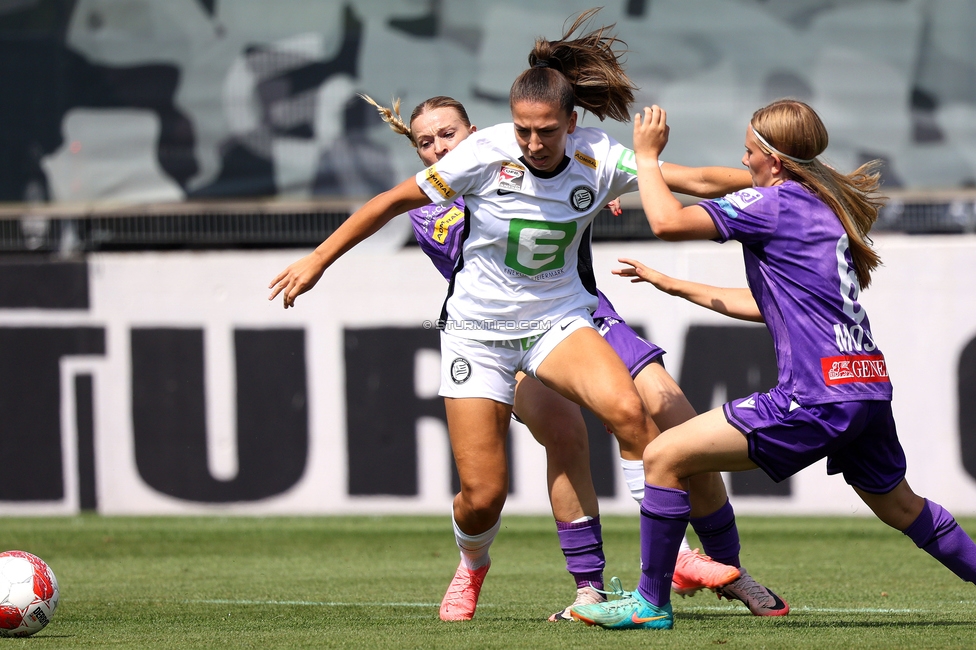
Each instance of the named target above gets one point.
<point>629,413</point>
<point>484,500</point>
<point>661,461</point>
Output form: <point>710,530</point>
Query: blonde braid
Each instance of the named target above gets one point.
<point>392,117</point>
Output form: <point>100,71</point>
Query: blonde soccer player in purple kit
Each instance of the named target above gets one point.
<point>803,229</point>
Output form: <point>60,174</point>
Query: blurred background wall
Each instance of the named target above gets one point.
<point>148,100</point>
<point>157,156</point>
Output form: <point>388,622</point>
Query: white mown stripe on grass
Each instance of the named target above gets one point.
<point>310,603</point>
<point>815,610</point>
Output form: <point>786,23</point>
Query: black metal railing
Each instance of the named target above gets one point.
<point>280,224</point>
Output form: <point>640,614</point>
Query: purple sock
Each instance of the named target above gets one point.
<point>936,532</point>
<point>582,544</point>
<point>664,518</point>
<point>719,535</point>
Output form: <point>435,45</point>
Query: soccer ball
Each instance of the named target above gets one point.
<point>28,593</point>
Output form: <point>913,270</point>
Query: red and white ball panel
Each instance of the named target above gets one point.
<point>28,593</point>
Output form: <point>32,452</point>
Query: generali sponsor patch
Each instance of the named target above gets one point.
<point>851,369</point>
<point>510,176</point>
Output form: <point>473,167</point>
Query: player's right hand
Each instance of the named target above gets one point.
<point>295,280</point>
<point>651,131</point>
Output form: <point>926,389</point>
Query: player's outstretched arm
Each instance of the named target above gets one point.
<point>737,303</point>
<point>705,182</point>
<point>668,218</point>
<point>302,275</point>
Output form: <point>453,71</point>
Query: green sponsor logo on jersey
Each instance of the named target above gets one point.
<point>627,162</point>
<point>537,246</point>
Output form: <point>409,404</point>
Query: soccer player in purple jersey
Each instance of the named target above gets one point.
<point>804,234</point>
<point>435,127</point>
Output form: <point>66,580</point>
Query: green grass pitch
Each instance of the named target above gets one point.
<point>376,582</point>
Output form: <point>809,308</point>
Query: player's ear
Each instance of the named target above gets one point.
<point>572,123</point>
<point>472,129</point>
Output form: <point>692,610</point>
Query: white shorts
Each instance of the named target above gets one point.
<point>472,368</point>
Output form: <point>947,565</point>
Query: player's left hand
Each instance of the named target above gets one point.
<point>642,273</point>
<point>295,280</point>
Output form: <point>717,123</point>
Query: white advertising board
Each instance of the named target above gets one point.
<point>175,387</point>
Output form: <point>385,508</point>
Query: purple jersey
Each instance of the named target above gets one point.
<point>799,268</point>
<point>438,230</point>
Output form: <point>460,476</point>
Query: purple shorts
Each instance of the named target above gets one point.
<point>635,351</point>
<point>858,439</point>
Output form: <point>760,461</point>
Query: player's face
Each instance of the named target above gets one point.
<point>762,166</point>
<point>541,131</point>
<point>438,131</point>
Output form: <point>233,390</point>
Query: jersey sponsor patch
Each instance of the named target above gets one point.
<point>744,198</point>
<point>460,370</point>
<point>851,369</point>
<point>581,198</point>
<point>627,162</point>
<point>510,177</point>
<point>438,183</point>
<point>586,160</point>
<point>535,247</point>
<point>443,225</point>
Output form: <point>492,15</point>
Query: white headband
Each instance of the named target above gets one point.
<point>776,151</point>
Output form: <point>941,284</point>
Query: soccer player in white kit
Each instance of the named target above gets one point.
<point>436,126</point>
<point>516,300</point>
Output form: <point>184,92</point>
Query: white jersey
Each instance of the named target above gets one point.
<point>517,272</point>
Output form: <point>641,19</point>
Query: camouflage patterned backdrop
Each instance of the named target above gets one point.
<point>166,100</point>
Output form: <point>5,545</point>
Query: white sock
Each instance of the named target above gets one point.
<point>474,548</point>
<point>634,476</point>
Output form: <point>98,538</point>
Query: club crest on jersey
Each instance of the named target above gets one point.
<point>510,177</point>
<point>460,370</point>
<point>581,198</point>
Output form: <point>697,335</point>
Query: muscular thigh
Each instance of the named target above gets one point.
<point>706,443</point>
<point>585,369</point>
<point>664,400</point>
<point>478,429</point>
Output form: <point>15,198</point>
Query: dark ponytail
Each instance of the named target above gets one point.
<point>584,71</point>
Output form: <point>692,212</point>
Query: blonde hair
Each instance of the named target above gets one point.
<point>794,131</point>
<point>392,115</point>
<point>585,71</point>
